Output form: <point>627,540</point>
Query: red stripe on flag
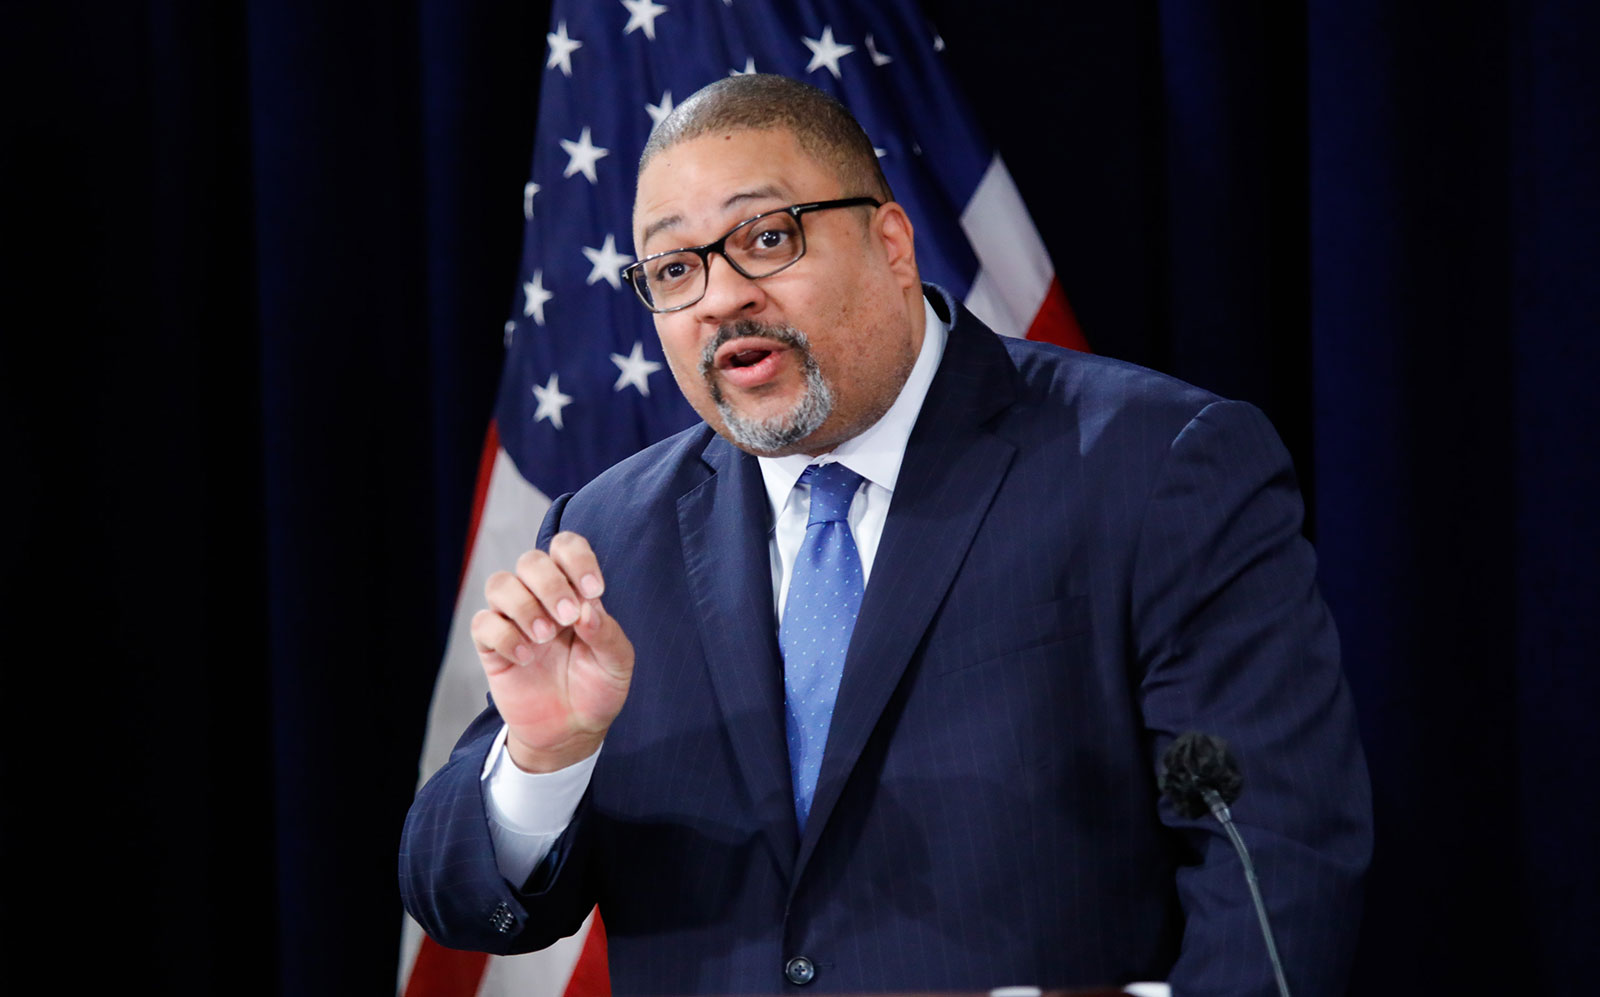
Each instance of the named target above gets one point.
<point>1055,322</point>
<point>442,972</point>
<point>491,448</point>
<point>591,977</point>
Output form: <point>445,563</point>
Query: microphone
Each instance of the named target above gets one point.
<point>1199,775</point>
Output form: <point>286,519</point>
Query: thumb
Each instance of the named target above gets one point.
<point>603,634</point>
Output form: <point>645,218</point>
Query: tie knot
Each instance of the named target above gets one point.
<point>832,488</point>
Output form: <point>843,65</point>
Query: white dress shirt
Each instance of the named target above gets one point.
<point>528,811</point>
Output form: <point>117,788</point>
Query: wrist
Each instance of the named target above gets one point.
<point>552,758</point>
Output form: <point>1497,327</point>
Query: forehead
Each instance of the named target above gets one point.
<point>694,190</point>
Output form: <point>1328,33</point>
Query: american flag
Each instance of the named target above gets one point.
<point>585,384</point>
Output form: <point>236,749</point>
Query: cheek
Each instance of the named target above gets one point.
<point>679,347</point>
<point>683,360</point>
<point>857,297</point>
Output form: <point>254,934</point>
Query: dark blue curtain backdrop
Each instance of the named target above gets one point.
<point>261,254</point>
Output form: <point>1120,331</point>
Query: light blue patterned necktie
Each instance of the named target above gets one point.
<point>818,617</point>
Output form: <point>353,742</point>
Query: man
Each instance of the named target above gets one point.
<point>891,722</point>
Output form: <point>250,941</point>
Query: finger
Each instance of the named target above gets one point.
<point>500,645</point>
<point>557,597</point>
<point>509,596</point>
<point>576,559</point>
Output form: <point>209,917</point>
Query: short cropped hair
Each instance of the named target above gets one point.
<point>825,130</point>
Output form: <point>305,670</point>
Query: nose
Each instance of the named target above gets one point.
<point>729,293</point>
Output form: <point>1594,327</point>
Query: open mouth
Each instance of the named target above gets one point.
<point>746,358</point>
<point>749,362</point>
<point>746,352</point>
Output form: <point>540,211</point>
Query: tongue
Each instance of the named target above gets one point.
<point>748,358</point>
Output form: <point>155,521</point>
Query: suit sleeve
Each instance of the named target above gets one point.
<point>449,880</point>
<point>1235,640</point>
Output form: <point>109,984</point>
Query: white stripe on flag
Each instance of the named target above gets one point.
<point>544,973</point>
<point>512,511</point>
<point>1014,271</point>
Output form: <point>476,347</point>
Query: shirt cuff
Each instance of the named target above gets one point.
<point>528,811</point>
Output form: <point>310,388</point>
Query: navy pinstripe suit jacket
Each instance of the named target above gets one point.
<point>1082,559</point>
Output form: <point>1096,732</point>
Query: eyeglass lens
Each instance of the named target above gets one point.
<point>758,248</point>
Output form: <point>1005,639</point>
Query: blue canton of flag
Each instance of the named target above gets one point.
<point>585,383</point>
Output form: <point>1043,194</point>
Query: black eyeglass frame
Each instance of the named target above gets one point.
<point>719,247</point>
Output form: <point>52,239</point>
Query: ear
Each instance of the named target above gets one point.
<point>893,229</point>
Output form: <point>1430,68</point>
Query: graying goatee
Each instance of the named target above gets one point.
<point>783,431</point>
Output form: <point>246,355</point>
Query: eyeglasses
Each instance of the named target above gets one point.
<point>756,247</point>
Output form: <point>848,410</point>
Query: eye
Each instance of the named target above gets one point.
<point>672,270</point>
<point>767,238</point>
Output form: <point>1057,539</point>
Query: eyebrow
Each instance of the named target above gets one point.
<point>673,221</point>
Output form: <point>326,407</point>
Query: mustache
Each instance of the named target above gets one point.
<point>788,335</point>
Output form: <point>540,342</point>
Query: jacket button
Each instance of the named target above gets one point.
<point>799,971</point>
<point>502,919</point>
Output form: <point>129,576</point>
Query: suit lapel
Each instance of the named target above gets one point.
<point>949,477</point>
<point>723,526</point>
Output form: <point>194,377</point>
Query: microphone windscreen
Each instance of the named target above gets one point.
<point>1195,762</point>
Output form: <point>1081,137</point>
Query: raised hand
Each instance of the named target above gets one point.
<point>558,664</point>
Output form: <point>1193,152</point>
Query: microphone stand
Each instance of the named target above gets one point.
<point>1220,811</point>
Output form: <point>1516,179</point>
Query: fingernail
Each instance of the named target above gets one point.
<point>524,653</point>
<point>590,585</point>
<point>566,612</point>
<point>542,631</point>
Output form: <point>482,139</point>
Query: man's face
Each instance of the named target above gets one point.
<point>803,360</point>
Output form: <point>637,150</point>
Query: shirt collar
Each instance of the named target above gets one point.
<point>875,453</point>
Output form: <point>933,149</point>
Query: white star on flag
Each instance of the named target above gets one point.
<point>582,155</point>
<point>635,369</point>
<point>878,58</point>
<point>561,49</point>
<point>551,401</point>
<point>749,67</point>
<point>510,333</point>
<point>534,296</point>
<point>661,110</point>
<point>528,190</point>
<point>607,263</point>
<point>642,14</point>
<point>826,52</point>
